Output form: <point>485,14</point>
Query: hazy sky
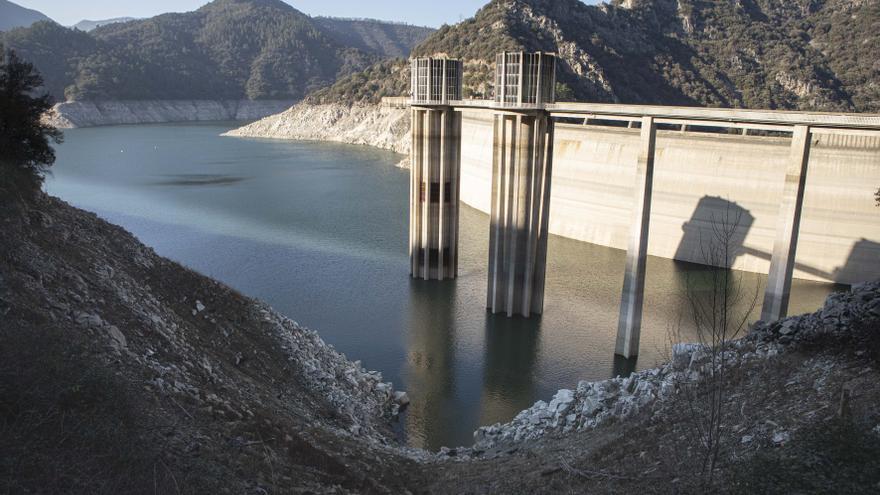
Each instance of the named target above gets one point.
<point>421,12</point>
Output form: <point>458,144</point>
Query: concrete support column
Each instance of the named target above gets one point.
<point>630,321</point>
<point>434,191</point>
<point>522,162</point>
<point>788,224</point>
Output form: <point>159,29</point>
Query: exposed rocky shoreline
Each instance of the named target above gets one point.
<point>593,404</point>
<point>372,125</point>
<point>73,114</point>
<point>258,404</point>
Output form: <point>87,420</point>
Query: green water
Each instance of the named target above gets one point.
<point>319,232</point>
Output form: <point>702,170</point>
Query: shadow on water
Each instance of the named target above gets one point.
<point>430,362</point>
<point>511,351</point>
<point>198,180</point>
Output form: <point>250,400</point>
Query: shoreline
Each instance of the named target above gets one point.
<point>79,114</point>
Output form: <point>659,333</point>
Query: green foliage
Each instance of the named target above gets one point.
<point>228,49</point>
<point>25,149</point>
<point>777,54</point>
<point>749,53</point>
<point>388,78</point>
<point>564,92</point>
<point>386,39</point>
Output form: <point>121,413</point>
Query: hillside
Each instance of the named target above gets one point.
<point>87,25</point>
<point>817,54</point>
<point>228,49</point>
<point>124,372</point>
<point>14,16</point>
<point>386,39</point>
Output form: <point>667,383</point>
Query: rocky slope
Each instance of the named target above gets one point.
<point>593,404</point>
<point>213,391</point>
<point>797,413</point>
<point>121,371</point>
<point>97,113</point>
<point>755,53</point>
<point>790,55</point>
<point>373,125</point>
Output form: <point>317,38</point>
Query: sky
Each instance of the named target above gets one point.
<point>421,12</point>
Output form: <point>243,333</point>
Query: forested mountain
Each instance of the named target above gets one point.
<point>86,25</point>
<point>798,54</point>
<point>14,15</point>
<point>228,49</point>
<point>387,39</point>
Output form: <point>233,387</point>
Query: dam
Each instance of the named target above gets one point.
<point>651,180</point>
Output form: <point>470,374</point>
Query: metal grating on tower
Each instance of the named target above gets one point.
<point>526,80</point>
<point>435,81</point>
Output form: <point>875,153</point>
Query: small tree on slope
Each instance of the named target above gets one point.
<point>25,149</point>
<point>718,307</point>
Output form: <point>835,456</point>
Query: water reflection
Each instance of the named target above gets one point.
<point>430,359</point>
<point>316,224</point>
<point>509,366</point>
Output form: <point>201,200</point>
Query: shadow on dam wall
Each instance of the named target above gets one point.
<point>713,213</point>
<point>715,221</point>
<point>864,253</point>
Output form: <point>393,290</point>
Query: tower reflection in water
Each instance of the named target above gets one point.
<point>509,367</point>
<point>452,388</point>
<point>430,368</point>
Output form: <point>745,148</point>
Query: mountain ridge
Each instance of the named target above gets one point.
<point>387,39</point>
<point>13,16</point>
<point>805,55</point>
<point>89,25</point>
<point>227,49</point>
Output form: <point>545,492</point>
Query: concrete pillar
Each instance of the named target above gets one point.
<point>788,224</point>
<point>434,191</point>
<point>630,321</point>
<point>522,162</point>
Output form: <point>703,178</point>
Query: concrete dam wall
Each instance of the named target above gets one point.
<point>700,180</point>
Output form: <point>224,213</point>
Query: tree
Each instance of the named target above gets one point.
<point>719,307</point>
<point>25,149</point>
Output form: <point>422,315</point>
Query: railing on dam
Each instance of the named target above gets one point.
<point>521,171</point>
<point>774,120</point>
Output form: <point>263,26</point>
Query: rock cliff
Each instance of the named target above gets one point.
<point>97,113</point>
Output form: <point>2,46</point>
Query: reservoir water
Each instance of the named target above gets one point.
<point>319,231</point>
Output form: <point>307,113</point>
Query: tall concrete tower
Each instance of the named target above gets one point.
<point>522,162</point>
<point>435,164</point>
